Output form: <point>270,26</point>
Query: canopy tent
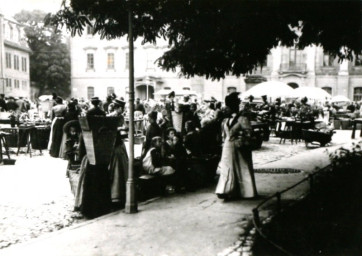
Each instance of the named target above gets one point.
<point>163,92</point>
<point>272,89</point>
<point>340,98</point>
<point>312,93</point>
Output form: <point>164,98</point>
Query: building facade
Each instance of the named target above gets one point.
<point>100,67</point>
<point>14,56</point>
<point>311,67</point>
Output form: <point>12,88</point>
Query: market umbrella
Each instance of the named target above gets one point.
<point>45,97</point>
<point>163,92</point>
<point>313,93</point>
<point>340,98</point>
<point>272,89</point>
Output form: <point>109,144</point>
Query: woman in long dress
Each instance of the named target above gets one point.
<point>118,167</point>
<point>236,165</point>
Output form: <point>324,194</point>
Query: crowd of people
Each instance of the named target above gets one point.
<point>186,141</point>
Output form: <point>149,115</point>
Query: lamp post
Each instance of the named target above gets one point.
<point>131,202</point>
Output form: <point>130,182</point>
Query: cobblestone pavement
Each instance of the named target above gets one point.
<point>35,196</point>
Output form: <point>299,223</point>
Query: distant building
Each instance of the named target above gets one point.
<point>312,67</point>
<point>14,59</point>
<point>100,67</point>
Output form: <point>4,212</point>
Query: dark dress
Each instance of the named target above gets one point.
<point>56,136</point>
<point>118,170</point>
<point>93,197</point>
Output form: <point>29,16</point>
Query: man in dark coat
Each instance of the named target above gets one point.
<point>107,103</point>
<point>139,106</point>
<point>192,140</point>
<point>96,110</point>
<point>153,130</point>
<point>170,105</point>
<point>2,103</point>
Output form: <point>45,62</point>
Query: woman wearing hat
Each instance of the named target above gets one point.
<point>95,110</point>
<point>118,167</point>
<point>236,167</point>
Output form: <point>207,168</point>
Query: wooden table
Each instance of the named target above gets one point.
<point>355,122</point>
<point>3,144</point>
<point>22,133</point>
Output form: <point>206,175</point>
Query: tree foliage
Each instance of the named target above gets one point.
<point>49,59</point>
<point>219,37</point>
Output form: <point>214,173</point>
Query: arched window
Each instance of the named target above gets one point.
<point>328,89</point>
<point>90,92</point>
<point>357,94</point>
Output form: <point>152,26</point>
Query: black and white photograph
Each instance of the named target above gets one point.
<point>181,127</point>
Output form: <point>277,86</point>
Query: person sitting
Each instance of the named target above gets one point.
<point>153,130</point>
<point>153,162</point>
<point>95,110</point>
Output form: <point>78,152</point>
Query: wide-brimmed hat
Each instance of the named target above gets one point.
<point>119,103</point>
<point>171,94</point>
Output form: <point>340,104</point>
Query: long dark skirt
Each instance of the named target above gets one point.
<point>93,197</point>
<point>56,139</point>
<point>118,169</point>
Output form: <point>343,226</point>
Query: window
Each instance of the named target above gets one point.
<point>16,62</point>
<point>11,32</point>
<point>110,90</point>
<point>328,89</point>
<point>127,60</point>
<point>8,82</point>
<point>8,60</point>
<point>110,61</point>
<point>150,61</point>
<point>295,56</point>
<point>23,85</point>
<point>327,60</point>
<point>357,94</point>
<point>231,89</point>
<point>23,64</point>
<point>90,92</point>
<point>90,30</point>
<point>16,84</point>
<point>358,60</point>
<point>90,61</point>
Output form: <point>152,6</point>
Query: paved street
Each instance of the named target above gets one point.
<point>35,196</point>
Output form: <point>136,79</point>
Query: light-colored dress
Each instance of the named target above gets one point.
<point>236,164</point>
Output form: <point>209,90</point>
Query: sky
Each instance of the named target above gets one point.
<point>11,7</point>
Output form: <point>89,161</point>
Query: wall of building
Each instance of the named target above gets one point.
<point>12,42</point>
<point>305,67</point>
